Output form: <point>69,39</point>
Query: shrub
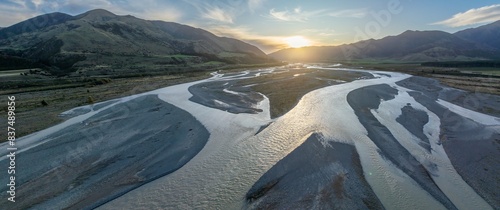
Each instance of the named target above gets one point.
<point>90,100</point>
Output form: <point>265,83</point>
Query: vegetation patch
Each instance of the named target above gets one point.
<point>462,64</point>
<point>285,89</point>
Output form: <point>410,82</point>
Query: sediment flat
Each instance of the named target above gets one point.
<point>319,174</point>
<point>364,99</point>
<point>472,147</point>
<point>108,154</point>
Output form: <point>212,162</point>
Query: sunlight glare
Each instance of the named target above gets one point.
<point>297,41</point>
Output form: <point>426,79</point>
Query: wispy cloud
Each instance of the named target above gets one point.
<point>326,32</point>
<point>473,16</point>
<point>266,43</point>
<point>16,11</point>
<point>145,9</point>
<point>350,13</point>
<point>217,14</point>
<point>165,14</point>
<point>297,14</point>
<point>254,4</point>
<point>218,11</point>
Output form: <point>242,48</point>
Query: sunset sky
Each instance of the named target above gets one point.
<point>277,24</point>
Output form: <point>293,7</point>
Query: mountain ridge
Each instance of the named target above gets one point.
<point>487,34</point>
<point>432,45</point>
<point>77,44</point>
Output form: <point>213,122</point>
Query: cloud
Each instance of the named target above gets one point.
<point>473,16</point>
<point>218,11</point>
<point>217,14</point>
<point>265,43</point>
<point>254,4</point>
<point>146,9</point>
<point>325,32</point>
<point>350,13</point>
<point>167,14</point>
<point>297,15</point>
<point>16,11</point>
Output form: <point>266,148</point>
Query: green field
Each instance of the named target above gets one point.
<point>482,70</point>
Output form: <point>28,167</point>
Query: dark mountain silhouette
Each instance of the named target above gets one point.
<point>472,44</point>
<point>488,35</point>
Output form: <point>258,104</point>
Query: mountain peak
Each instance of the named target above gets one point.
<point>97,14</point>
<point>101,12</point>
<point>409,31</point>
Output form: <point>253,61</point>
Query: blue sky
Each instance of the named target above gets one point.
<point>276,24</point>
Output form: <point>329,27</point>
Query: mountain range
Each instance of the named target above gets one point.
<point>99,40</point>
<point>471,44</point>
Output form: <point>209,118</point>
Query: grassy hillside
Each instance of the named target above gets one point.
<point>99,42</point>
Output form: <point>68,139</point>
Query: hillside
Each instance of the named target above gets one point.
<point>408,46</point>
<point>100,42</point>
<point>488,35</point>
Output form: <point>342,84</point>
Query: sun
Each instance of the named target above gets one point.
<point>297,41</point>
